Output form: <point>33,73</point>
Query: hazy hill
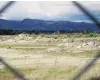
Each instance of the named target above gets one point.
<point>35,24</point>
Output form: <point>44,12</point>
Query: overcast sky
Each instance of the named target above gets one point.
<point>50,10</point>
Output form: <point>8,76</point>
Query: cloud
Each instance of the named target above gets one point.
<point>48,10</point>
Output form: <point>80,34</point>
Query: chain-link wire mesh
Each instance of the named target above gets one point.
<point>85,68</point>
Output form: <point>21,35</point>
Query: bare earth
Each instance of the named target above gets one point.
<point>29,52</point>
<point>30,60</point>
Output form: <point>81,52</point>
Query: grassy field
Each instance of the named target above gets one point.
<point>54,73</point>
<point>50,56</point>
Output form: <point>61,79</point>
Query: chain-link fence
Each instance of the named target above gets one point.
<point>84,69</point>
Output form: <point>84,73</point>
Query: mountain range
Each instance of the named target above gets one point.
<point>36,24</point>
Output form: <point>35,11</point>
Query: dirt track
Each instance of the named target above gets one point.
<point>33,60</point>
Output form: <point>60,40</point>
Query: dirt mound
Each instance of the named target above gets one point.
<point>92,44</point>
<point>23,37</point>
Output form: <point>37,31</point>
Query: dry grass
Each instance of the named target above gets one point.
<point>60,50</point>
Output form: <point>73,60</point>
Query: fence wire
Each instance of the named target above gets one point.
<point>13,70</point>
<point>84,69</point>
<point>6,6</point>
<point>93,18</point>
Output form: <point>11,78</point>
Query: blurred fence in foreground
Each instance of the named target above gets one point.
<point>85,68</point>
